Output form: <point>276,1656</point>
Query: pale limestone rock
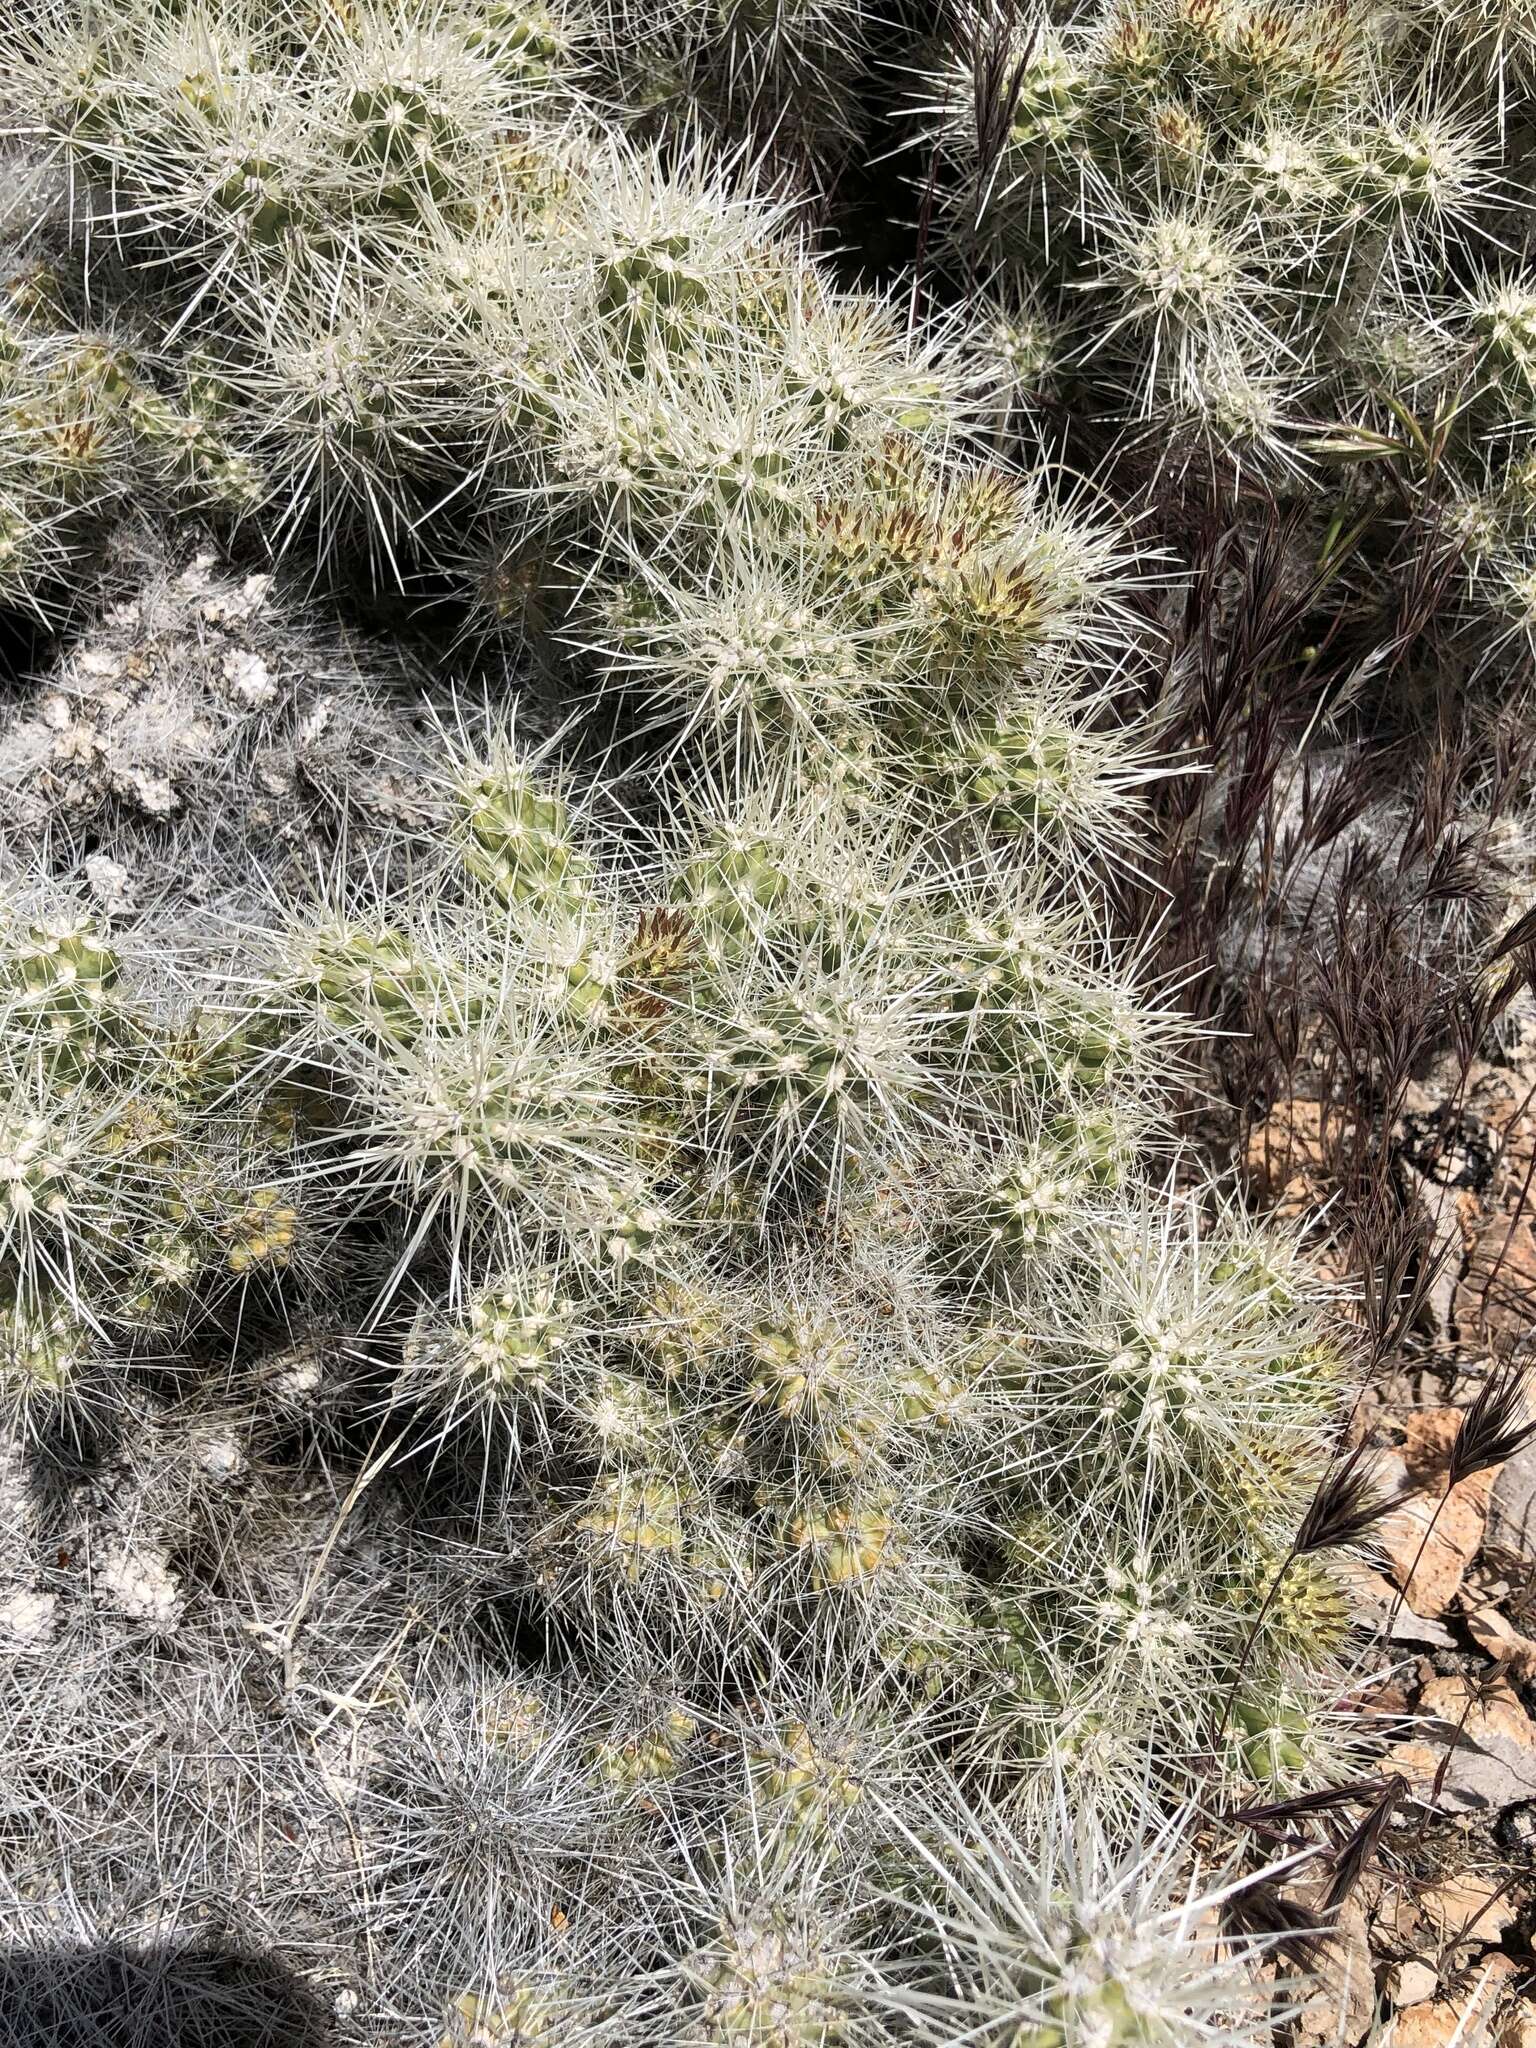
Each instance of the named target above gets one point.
<point>1493,1758</point>
<point>1412,1983</point>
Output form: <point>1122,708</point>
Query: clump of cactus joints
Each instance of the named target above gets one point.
<point>692,1232</point>
<point>1222,199</point>
<point>1266,248</point>
<point>93,424</point>
<point>1074,1939</point>
<point>132,1196</point>
<point>779,77</point>
<point>706,1331</point>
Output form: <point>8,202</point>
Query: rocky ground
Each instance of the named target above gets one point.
<point>1434,1946</point>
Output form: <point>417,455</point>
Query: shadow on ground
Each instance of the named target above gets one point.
<point>119,1996</point>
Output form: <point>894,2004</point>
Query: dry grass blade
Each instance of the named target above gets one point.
<point>1347,1503</point>
<point>1273,1814</point>
<point>1494,1428</point>
<point>1354,1857</point>
<point>1262,1913</point>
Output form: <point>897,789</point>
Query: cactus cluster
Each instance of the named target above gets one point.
<point>93,422</point>
<point>618,1320</point>
<point>1257,255</point>
<point>776,1277</point>
<point>135,1203</point>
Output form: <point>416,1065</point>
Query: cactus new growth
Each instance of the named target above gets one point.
<point>595,1252</point>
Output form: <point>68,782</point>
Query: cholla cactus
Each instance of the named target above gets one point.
<point>132,1196</point>
<point>1077,1940</point>
<point>791,1268</point>
<point>539,2006</point>
<point>1265,248</point>
<point>758,1328</point>
<point>50,1368</point>
<point>779,75</point>
<point>768,1952</point>
<point>1223,199</point>
<point>91,422</point>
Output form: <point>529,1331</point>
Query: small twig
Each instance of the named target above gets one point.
<point>287,1636</point>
